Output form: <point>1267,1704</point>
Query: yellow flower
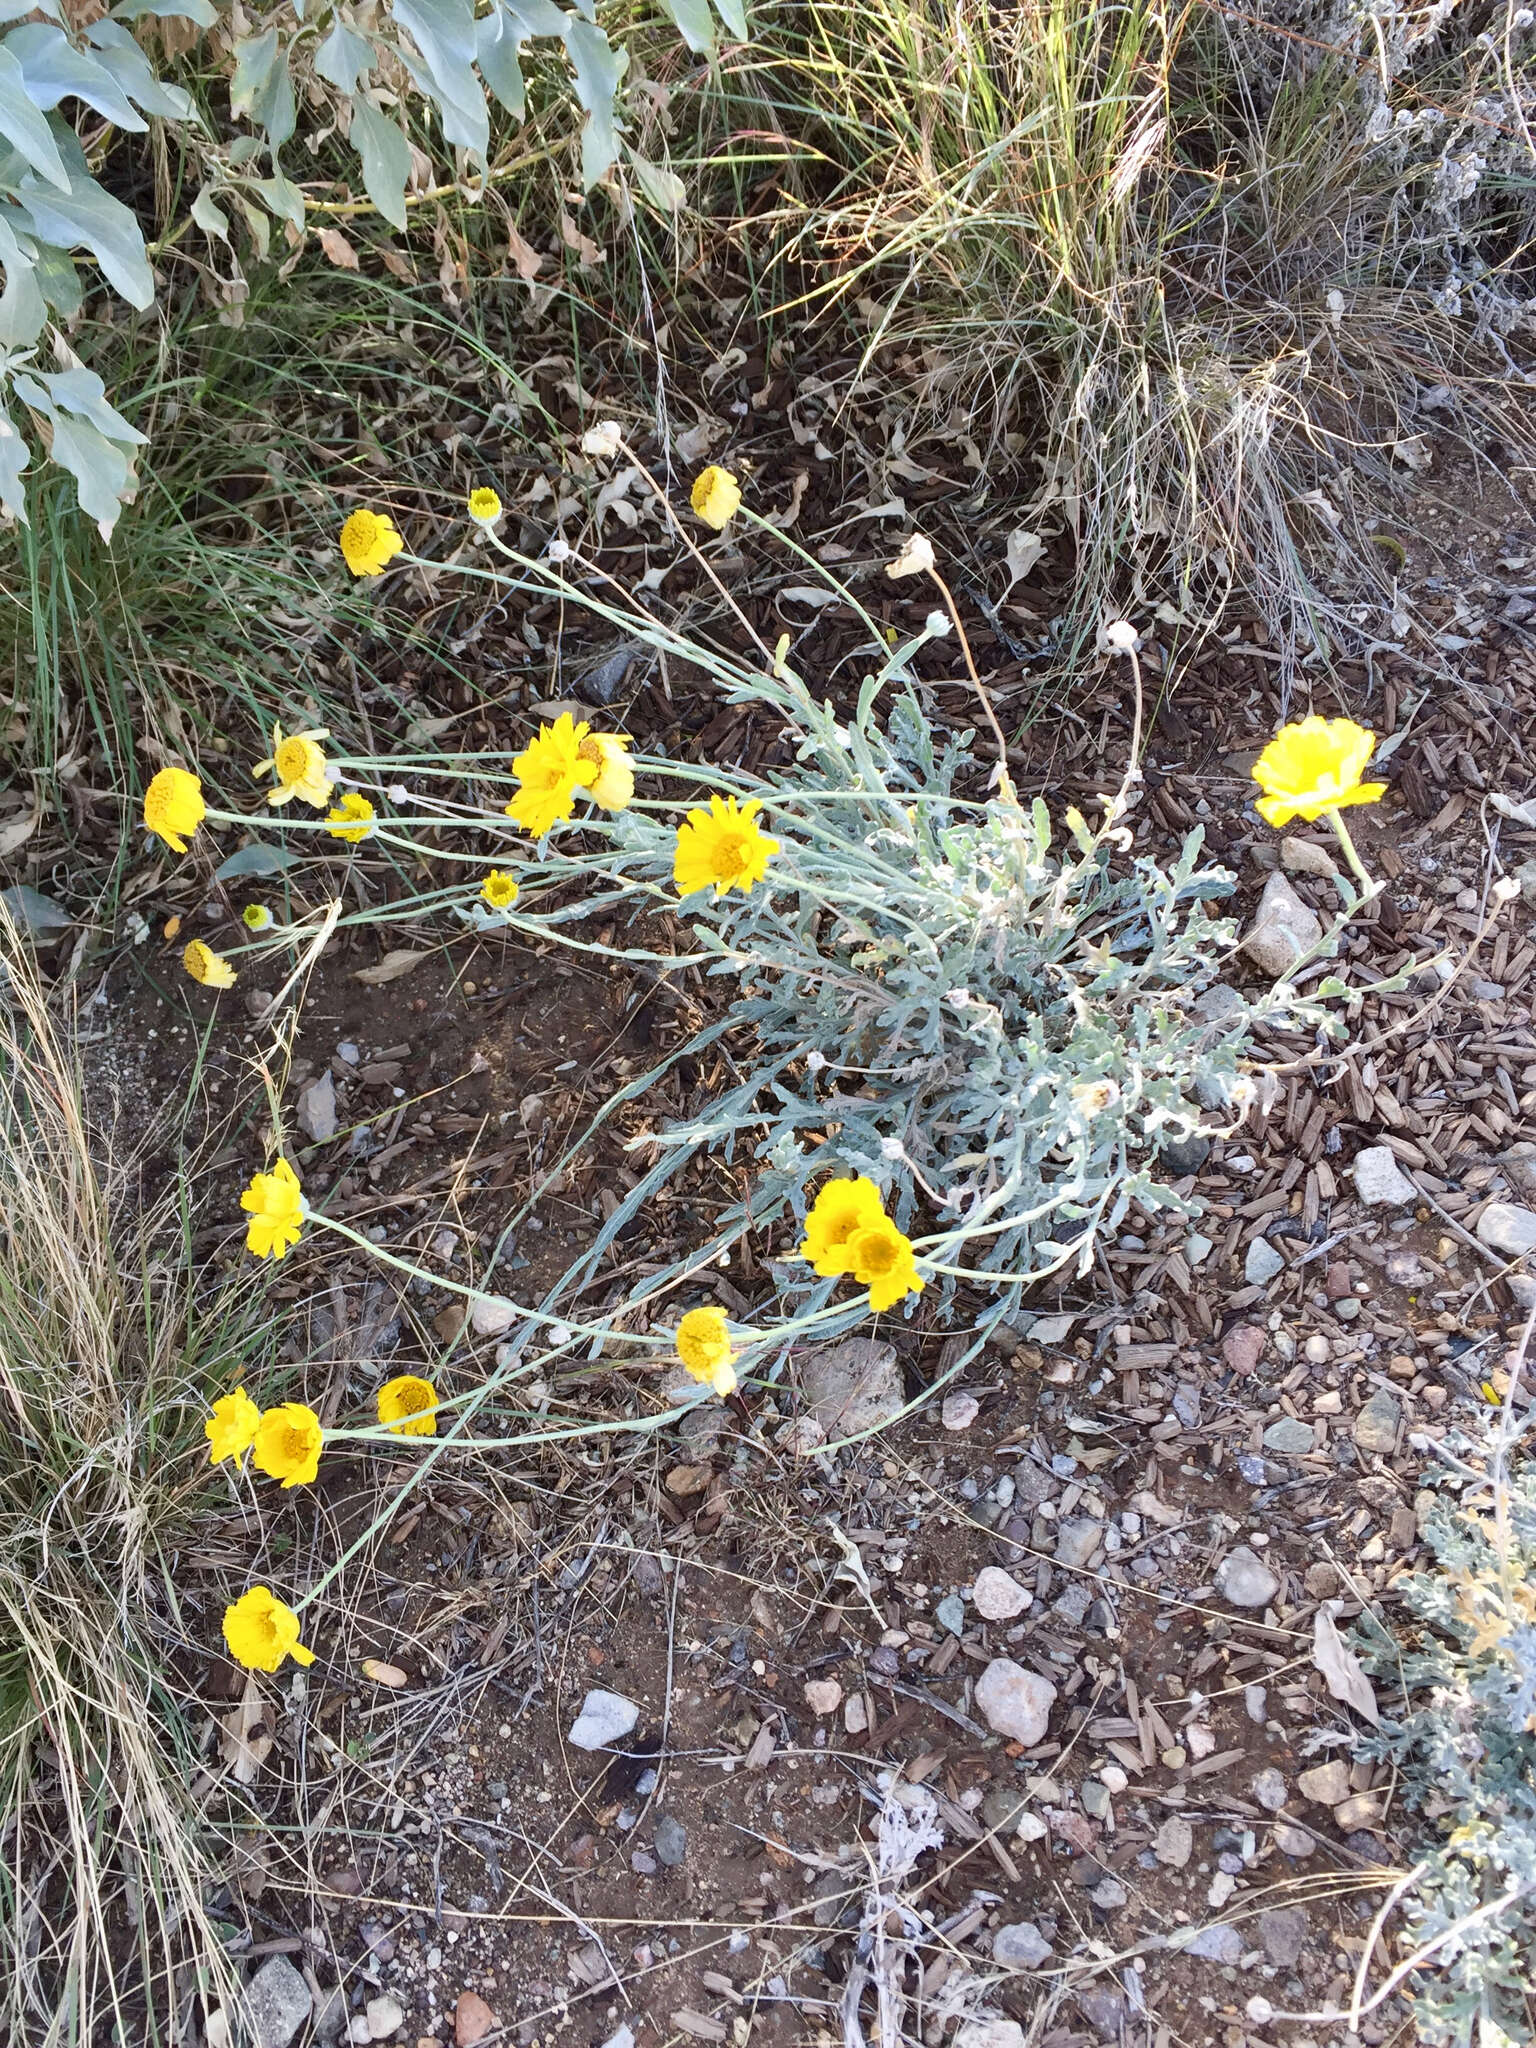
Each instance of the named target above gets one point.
<point>231,1428</point>
<point>352,817</point>
<point>721,848</point>
<point>704,1346</point>
<point>256,917</point>
<point>275,1203</point>
<point>408,1406</point>
<point>1313,767</point>
<point>261,1631</point>
<point>841,1208</point>
<point>173,806</point>
<point>208,967</point>
<point>287,1444</point>
<point>369,542</point>
<point>499,889</point>
<point>299,765</point>
<point>550,770</point>
<point>613,779</point>
<point>484,506</point>
<point>716,496</point>
<point>881,1259</point>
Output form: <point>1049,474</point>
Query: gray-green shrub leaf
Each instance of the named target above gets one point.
<point>386,159</point>
<point>499,38</point>
<point>444,32</point>
<point>39,913</point>
<point>599,70</point>
<point>254,60</point>
<point>199,11</point>
<point>24,127</point>
<point>14,457</point>
<point>53,69</point>
<point>694,23</point>
<point>343,57</point>
<point>256,860</point>
<point>83,216</point>
<point>22,311</point>
<point>120,54</point>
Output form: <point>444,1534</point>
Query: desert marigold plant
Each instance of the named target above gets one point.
<point>275,1204</point>
<point>298,765</point>
<point>261,1631</point>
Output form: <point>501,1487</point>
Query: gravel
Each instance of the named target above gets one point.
<point>1378,1422</point>
<point>671,1841</point>
<point>1219,1944</point>
<point>851,1386</point>
<point>1262,1263</point>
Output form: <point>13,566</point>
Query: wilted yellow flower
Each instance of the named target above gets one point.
<point>208,967</point>
<point>499,889</point>
<point>613,782</point>
<point>1315,766</point>
<point>351,818</point>
<point>231,1427</point>
<point>550,770</point>
<point>881,1258</point>
<point>408,1406</point>
<point>716,496</point>
<point>275,1203</point>
<point>704,1346</point>
<point>173,806</point>
<point>288,1443</point>
<point>603,439</point>
<point>839,1210</point>
<point>299,764</point>
<point>484,506</point>
<point>915,559</point>
<point>256,917</point>
<point>1094,1097</point>
<point>260,1631</point>
<point>369,542</point>
<point>721,848</point>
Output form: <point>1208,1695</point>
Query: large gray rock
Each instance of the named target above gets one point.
<point>1380,1182</point>
<point>1015,1702</point>
<point>1244,1579</point>
<point>1218,1944</point>
<point>279,2003</point>
<point>1377,1424</point>
<point>317,1108</point>
<point>1021,1946</point>
<point>1284,928</point>
<point>998,1596</point>
<point>1283,1935</point>
<point>1508,1230</point>
<point>851,1386</point>
<point>605,1718</point>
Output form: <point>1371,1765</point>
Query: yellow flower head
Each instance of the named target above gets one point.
<point>613,779</point>
<point>287,1444</point>
<point>408,1406</point>
<point>881,1259</point>
<point>256,917</point>
<point>173,806</point>
<point>484,506</point>
<point>550,770</point>
<point>260,1631</point>
<point>716,496</point>
<point>275,1204</point>
<point>231,1428</point>
<point>841,1208</point>
<point>499,889</point>
<point>721,849</point>
<point>704,1346</point>
<point>208,967</point>
<point>299,764</point>
<point>369,542</point>
<point>1315,766</point>
<point>352,817</point>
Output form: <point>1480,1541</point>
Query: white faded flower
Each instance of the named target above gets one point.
<point>937,624</point>
<point>815,1060</point>
<point>603,439</point>
<point>892,1148</point>
<point>1094,1097</point>
<point>398,793</point>
<point>558,551</point>
<point>1120,637</point>
<point>915,559</point>
<point>1505,889</point>
<point>557,1333</point>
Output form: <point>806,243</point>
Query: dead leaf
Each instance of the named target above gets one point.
<point>1024,551</point>
<point>394,964</point>
<point>248,1737</point>
<point>384,1674</point>
<point>337,248</point>
<point>14,836</point>
<point>523,257</point>
<point>398,264</point>
<point>1522,813</point>
<point>588,254</point>
<point>1342,1668</point>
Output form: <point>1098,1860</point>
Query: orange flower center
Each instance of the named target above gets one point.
<point>730,856</point>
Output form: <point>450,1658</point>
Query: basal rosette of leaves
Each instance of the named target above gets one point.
<point>293,70</point>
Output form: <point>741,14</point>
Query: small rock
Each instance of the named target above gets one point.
<point>1262,1263</point>
<point>1186,1405</point>
<point>990,2034</point>
<point>998,1596</point>
<point>1243,1347</point>
<point>1283,929</point>
<point>960,1410</point>
<point>1302,857</point>
<point>1020,1946</point>
<point>384,2017</point>
<point>1404,1270</point>
<point>1283,1935</point>
<point>490,1314</point>
<point>1338,1284</point>
<point>1015,1702</point>
<point>1104,2009</point>
<point>331,2015</point>
<point>1031,1828</point>
<point>279,2003</point>
<point>1507,1230</point>
<point>1380,1182</point>
<point>1317,1350</point>
<point>1050,1329</point>
<point>950,1614</point>
<point>1294,1842</point>
<point>1109,1895</point>
<point>1198,1247</point>
<point>1363,1810</point>
<point>1218,1944</point>
<point>1290,1436</point>
<point>1269,1790</point>
<point>671,1841</point>
<point>472,2020</point>
<point>823,1695</point>
<point>316,1108</point>
<point>1346,1311</point>
<point>357,2030</point>
<point>1376,1425</point>
<point>1077,1539</point>
<point>1245,1580</point>
<point>1186,1155</point>
<point>1325,1784</point>
<point>1003,1806</point>
<point>1095,1799</point>
<point>851,1386</point>
<point>605,1718</point>
<point>1174,1842</point>
<point>1322,1580</point>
